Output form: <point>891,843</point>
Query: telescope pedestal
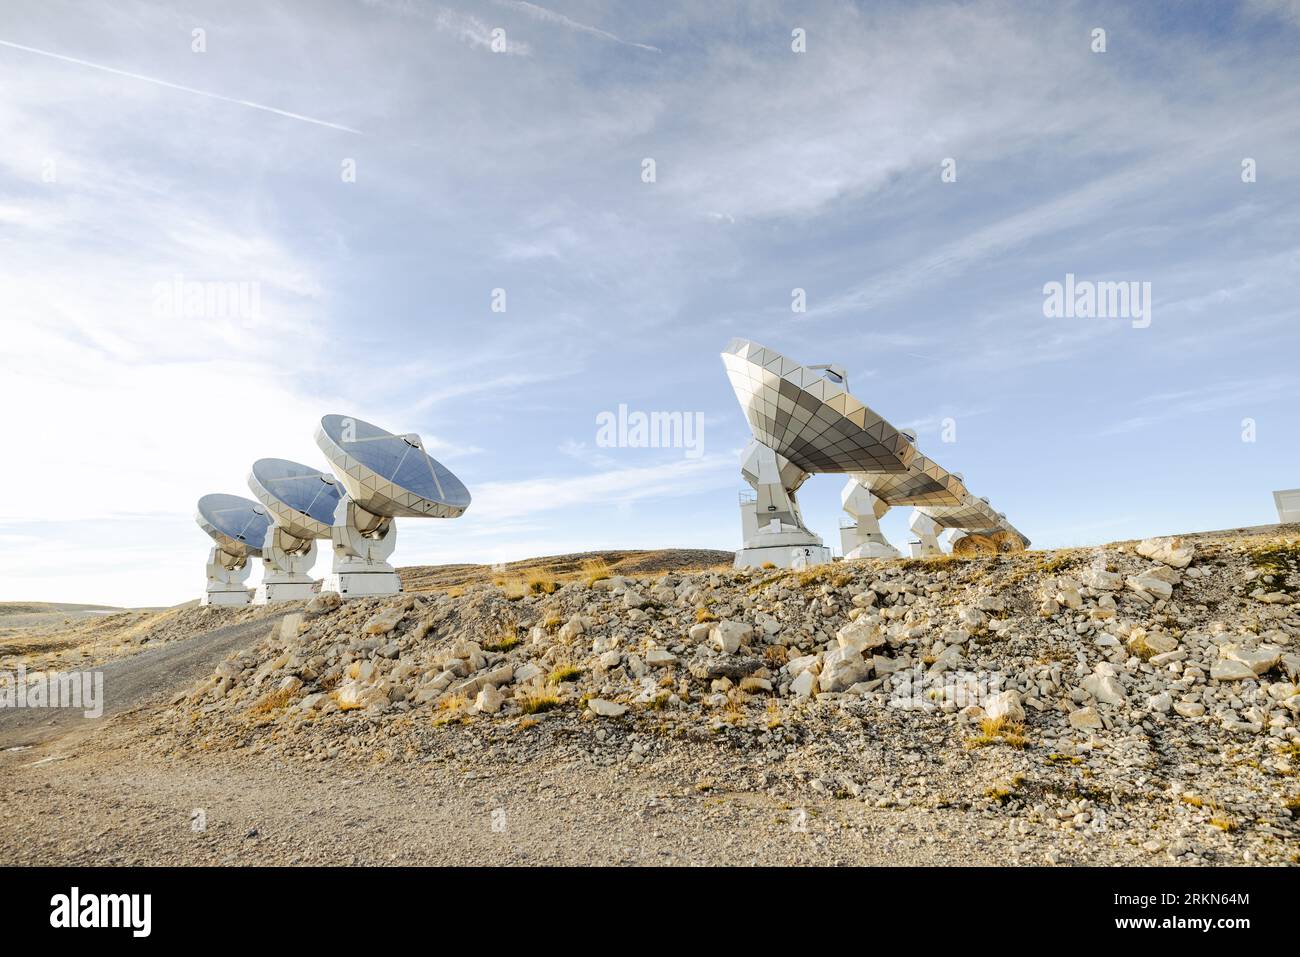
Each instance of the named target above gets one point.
<point>226,576</point>
<point>863,539</point>
<point>772,524</point>
<point>362,543</point>
<point>286,561</point>
<point>927,531</point>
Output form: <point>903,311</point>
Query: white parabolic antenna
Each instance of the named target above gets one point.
<point>385,476</point>
<point>804,422</point>
<point>809,419</point>
<point>301,501</point>
<point>238,526</point>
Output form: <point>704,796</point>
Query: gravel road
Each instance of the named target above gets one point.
<point>130,682</point>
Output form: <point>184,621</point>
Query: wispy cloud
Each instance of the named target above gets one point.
<point>183,89</point>
<point>465,27</point>
<point>550,16</point>
<point>1243,394</point>
<point>620,486</point>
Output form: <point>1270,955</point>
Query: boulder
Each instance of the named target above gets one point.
<point>728,636</point>
<point>842,668</point>
<point>861,634</point>
<point>804,686</point>
<point>1085,719</point>
<point>323,604</point>
<point>1259,660</point>
<point>1105,688</point>
<point>659,658</point>
<point>606,709</point>
<point>489,700</point>
<point>1006,706</point>
<point>528,672</point>
<point>1150,585</point>
<point>384,622</point>
<point>1169,551</point>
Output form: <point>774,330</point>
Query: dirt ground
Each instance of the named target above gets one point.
<point>133,788</point>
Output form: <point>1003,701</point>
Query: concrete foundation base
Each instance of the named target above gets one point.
<point>270,592</point>
<point>783,556</point>
<point>225,596</point>
<point>873,550</point>
<point>362,584</point>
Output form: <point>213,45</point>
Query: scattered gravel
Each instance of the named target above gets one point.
<point>1134,703</point>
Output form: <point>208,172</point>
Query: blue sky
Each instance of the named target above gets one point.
<point>522,170</point>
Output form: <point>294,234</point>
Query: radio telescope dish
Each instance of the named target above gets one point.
<point>385,477</point>
<point>238,526</point>
<point>925,482</point>
<point>972,513</point>
<point>389,475</point>
<point>804,421</point>
<point>301,499</point>
<point>808,418</point>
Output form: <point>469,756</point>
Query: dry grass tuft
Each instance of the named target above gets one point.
<point>563,672</point>
<point>536,701</point>
<point>1219,818</point>
<point>773,714</point>
<point>540,584</point>
<point>999,731</point>
<point>595,570</point>
<point>503,642</point>
<point>272,701</point>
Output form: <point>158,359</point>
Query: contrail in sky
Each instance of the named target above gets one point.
<point>184,89</point>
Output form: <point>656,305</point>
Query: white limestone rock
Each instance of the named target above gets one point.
<point>728,636</point>
<point>1259,660</point>
<point>862,634</point>
<point>489,701</point>
<point>804,686</point>
<point>842,668</point>
<point>1085,719</point>
<point>1169,551</point>
<point>384,622</point>
<point>606,709</point>
<point>1006,705</point>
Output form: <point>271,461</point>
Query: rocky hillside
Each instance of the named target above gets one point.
<point>1133,701</point>
<point>519,577</point>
